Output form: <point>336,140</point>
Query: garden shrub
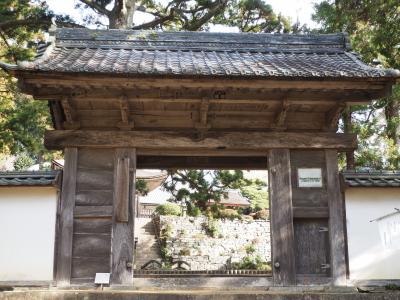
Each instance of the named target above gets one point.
<point>262,215</point>
<point>168,209</point>
<point>194,211</point>
<point>229,213</point>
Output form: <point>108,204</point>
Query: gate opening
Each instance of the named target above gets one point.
<point>202,222</point>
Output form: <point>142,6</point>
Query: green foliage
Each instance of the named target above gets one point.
<point>141,187</point>
<point>374,30</point>
<point>252,263</point>
<point>168,209</point>
<point>22,120</point>
<point>230,214</point>
<point>257,194</point>
<point>197,188</point>
<point>211,228</point>
<point>193,211</point>
<point>250,249</point>
<point>23,162</point>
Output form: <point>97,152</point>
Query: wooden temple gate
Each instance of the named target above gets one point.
<point>122,100</point>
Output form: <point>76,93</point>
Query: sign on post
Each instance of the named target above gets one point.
<point>309,177</point>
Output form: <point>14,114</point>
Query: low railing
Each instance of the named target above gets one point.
<point>211,273</point>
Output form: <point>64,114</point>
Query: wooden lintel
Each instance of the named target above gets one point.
<point>125,124</point>
<point>333,115</point>
<point>214,83</point>
<point>59,139</point>
<point>202,162</point>
<point>280,119</point>
<point>69,113</point>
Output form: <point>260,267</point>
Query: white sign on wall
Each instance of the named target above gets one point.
<point>309,177</point>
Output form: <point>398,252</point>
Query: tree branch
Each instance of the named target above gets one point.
<point>154,23</point>
<point>96,7</point>
<point>214,10</point>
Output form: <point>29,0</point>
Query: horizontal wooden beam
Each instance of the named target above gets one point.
<point>202,162</point>
<point>179,94</point>
<point>143,81</point>
<point>219,141</point>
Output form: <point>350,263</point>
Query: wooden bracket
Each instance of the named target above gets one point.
<point>124,107</point>
<point>332,117</point>
<point>280,118</point>
<point>202,125</point>
<point>69,113</point>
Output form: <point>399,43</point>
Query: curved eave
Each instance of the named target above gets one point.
<point>391,75</point>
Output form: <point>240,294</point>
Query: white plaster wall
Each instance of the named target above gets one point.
<point>368,259</point>
<point>27,232</point>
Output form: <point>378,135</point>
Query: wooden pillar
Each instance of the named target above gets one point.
<point>122,240</point>
<point>336,220</point>
<point>282,236</point>
<point>64,257</point>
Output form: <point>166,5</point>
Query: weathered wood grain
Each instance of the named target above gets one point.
<point>93,225</point>
<point>91,245</point>
<point>87,267</point>
<point>96,159</point>
<point>282,234</point>
<point>312,247</point>
<point>121,190</point>
<point>94,197</point>
<point>93,211</point>
<point>101,81</point>
<point>89,179</point>
<point>122,232</point>
<point>308,197</point>
<point>336,220</point>
<point>202,162</point>
<point>67,217</point>
<point>310,212</point>
<point>55,139</point>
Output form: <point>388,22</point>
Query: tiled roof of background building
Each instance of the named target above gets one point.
<point>371,179</point>
<point>30,178</point>
<point>201,54</point>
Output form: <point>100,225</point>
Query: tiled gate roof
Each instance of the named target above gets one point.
<point>372,179</point>
<point>30,178</point>
<point>201,54</point>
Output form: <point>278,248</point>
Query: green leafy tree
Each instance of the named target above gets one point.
<point>257,194</point>
<point>22,120</point>
<point>196,188</point>
<point>374,30</point>
<point>246,15</point>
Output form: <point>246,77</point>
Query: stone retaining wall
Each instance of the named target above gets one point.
<point>193,240</point>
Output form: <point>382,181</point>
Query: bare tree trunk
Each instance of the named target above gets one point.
<point>347,128</point>
<point>121,17</point>
<point>392,120</point>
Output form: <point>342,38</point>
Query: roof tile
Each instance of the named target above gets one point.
<point>202,54</point>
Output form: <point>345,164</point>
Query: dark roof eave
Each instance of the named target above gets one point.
<point>391,77</point>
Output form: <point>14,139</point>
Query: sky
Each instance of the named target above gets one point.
<point>295,9</point>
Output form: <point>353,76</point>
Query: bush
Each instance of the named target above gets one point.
<point>211,228</point>
<point>230,214</point>
<point>252,263</point>
<point>250,249</point>
<point>168,209</point>
<point>23,162</point>
<point>194,211</point>
<point>262,214</point>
